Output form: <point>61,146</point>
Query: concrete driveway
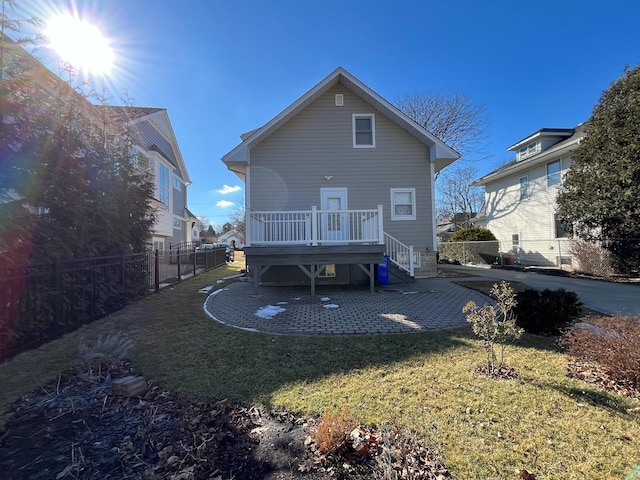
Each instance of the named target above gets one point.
<point>605,297</point>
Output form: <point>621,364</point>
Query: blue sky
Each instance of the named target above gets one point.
<point>224,67</point>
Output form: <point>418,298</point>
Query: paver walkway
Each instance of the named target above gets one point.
<point>427,304</point>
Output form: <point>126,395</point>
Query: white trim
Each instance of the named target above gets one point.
<point>370,116</point>
<point>179,226</point>
<point>434,221</point>
<point>559,173</point>
<point>394,215</point>
<point>339,99</point>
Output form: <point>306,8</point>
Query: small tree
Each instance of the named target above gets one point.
<point>495,324</point>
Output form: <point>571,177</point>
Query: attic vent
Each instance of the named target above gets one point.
<point>339,100</point>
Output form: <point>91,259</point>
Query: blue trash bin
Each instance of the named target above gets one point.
<point>383,271</point>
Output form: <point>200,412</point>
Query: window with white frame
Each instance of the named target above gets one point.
<point>515,242</point>
<point>177,184</point>
<point>403,204</point>
<point>528,150</point>
<point>554,173</point>
<point>158,245</point>
<point>524,188</point>
<point>163,185</point>
<point>177,223</point>
<point>364,130</point>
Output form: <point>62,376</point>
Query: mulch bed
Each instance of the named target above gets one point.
<point>78,427</point>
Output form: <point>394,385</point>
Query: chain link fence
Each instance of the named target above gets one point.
<point>605,259</point>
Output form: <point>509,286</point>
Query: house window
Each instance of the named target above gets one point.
<point>364,130</point>
<point>158,245</point>
<point>524,188</point>
<point>561,228</point>
<point>403,204</point>
<point>177,184</point>
<point>177,223</point>
<point>329,271</point>
<point>515,242</point>
<point>163,186</point>
<point>529,150</point>
<point>553,173</point>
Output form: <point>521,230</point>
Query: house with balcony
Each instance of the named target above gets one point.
<point>520,198</point>
<point>336,181</point>
<point>157,148</point>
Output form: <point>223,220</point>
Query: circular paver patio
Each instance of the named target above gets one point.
<point>427,304</point>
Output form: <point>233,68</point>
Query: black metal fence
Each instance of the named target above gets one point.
<point>41,302</point>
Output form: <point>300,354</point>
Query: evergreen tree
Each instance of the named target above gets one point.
<point>69,185</point>
<point>601,192</point>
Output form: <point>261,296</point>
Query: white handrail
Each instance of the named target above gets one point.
<point>402,255</point>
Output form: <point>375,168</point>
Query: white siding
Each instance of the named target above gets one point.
<point>531,217</point>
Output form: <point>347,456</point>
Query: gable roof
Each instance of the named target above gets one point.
<point>237,158</point>
<point>155,131</point>
<point>517,166</point>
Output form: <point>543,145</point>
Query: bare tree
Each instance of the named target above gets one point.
<point>238,219</point>
<point>452,117</point>
<point>457,197</point>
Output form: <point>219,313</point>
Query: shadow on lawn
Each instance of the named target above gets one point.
<point>588,395</point>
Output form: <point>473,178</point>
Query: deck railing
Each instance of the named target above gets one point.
<point>314,227</point>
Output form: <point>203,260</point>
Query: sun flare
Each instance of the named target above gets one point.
<point>80,44</point>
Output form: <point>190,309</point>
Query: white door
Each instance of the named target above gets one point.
<point>334,226</point>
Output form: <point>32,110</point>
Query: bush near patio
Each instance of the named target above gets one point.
<point>550,424</point>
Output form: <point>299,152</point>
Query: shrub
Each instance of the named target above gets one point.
<point>473,234</point>
<point>546,311</point>
<point>332,431</point>
<point>611,342</point>
<point>494,324</point>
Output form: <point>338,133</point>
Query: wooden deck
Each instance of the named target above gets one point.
<point>310,259</point>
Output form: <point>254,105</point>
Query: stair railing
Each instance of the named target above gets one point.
<point>400,254</point>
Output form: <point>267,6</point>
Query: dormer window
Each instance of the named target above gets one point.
<point>528,150</point>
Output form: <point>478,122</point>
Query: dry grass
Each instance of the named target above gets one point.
<point>331,431</point>
<point>549,424</point>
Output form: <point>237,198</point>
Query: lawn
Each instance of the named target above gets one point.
<point>545,422</point>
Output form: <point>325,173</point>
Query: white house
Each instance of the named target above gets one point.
<point>520,197</point>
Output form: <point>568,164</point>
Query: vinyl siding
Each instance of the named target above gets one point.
<point>532,217</point>
<point>289,166</point>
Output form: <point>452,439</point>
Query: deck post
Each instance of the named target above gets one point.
<point>314,226</point>
<point>380,226</point>
<point>247,227</point>
<point>411,262</point>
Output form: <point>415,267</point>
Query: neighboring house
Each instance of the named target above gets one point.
<point>520,197</point>
<point>156,142</point>
<point>157,146</point>
<point>232,238</point>
<point>335,181</point>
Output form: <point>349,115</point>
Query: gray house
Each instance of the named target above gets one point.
<point>333,183</point>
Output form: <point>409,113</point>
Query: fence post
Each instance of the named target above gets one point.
<point>156,280</point>
<point>195,263</point>
<point>179,274</point>
<point>57,302</point>
<point>122,280</point>
<point>560,256</point>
